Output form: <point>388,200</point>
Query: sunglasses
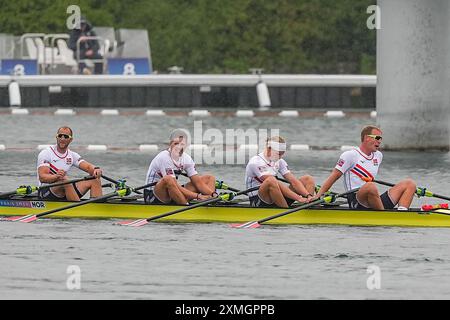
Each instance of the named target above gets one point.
<point>65,136</point>
<point>376,137</point>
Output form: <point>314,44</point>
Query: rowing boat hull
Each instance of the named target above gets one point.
<point>229,214</point>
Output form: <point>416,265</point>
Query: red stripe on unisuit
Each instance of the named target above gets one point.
<point>357,173</point>
<point>364,170</point>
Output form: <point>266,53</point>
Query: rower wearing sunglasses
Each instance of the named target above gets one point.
<point>53,164</point>
<point>262,171</point>
<point>360,167</point>
<point>165,168</point>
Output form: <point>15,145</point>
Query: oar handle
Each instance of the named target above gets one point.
<point>202,203</point>
<point>308,205</point>
<point>62,183</point>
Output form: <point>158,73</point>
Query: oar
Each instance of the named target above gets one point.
<point>225,197</point>
<point>257,224</point>
<point>421,192</point>
<point>119,182</point>
<point>119,192</point>
<point>24,190</point>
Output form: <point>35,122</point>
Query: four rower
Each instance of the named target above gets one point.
<point>262,171</point>
<point>53,164</point>
<point>360,167</point>
<point>165,169</point>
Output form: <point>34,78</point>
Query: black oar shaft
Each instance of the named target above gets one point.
<point>392,185</point>
<point>145,186</point>
<point>308,205</point>
<point>62,183</point>
<point>209,201</point>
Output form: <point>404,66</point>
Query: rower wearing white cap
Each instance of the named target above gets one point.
<point>165,169</point>
<point>262,170</point>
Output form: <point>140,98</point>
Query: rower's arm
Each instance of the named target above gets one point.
<point>46,177</point>
<point>201,186</point>
<point>334,176</point>
<point>90,168</point>
<point>296,184</point>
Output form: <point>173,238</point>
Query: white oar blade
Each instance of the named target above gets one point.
<point>248,225</point>
<point>133,223</point>
<point>25,219</point>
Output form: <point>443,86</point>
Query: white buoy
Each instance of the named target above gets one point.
<point>198,146</point>
<point>43,146</point>
<point>288,113</point>
<point>252,147</point>
<point>245,113</point>
<point>299,147</point>
<point>199,113</point>
<point>19,111</point>
<point>110,112</point>
<point>14,94</point>
<point>148,148</point>
<point>335,114</point>
<point>152,113</point>
<point>347,148</point>
<point>64,112</point>
<point>262,91</point>
<point>2,147</point>
<point>97,147</point>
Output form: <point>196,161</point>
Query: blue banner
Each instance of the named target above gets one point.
<point>129,66</point>
<point>18,67</point>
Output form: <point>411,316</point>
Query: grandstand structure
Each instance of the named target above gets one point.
<point>40,53</point>
<point>47,74</point>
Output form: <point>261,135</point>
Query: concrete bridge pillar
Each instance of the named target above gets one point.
<point>413,72</point>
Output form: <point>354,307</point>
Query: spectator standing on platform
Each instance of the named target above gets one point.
<point>89,48</point>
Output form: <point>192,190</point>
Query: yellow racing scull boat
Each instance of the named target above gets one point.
<point>229,213</point>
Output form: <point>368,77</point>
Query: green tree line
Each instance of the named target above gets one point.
<point>223,36</point>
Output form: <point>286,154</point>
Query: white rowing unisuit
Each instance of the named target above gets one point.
<point>163,165</point>
<point>355,164</point>
<point>259,166</point>
<point>50,157</point>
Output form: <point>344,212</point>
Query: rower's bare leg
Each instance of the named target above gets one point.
<point>308,183</point>
<point>208,180</point>
<point>403,193</point>
<point>368,196</point>
<point>270,192</point>
<point>94,186</point>
<point>167,189</point>
<point>70,193</point>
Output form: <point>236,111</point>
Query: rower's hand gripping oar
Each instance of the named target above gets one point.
<point>328,199</point>
<point>224,197</point>
<point>121,191</point>
<point>24,190</point>
<point>420,192</point>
